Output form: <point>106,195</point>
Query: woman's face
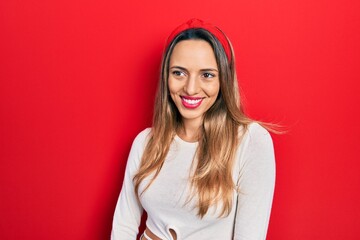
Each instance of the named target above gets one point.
<point>193,79</point>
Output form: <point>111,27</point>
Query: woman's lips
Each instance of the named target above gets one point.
<point>191,102</point>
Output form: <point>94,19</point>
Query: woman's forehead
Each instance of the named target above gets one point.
<point>193,54</point>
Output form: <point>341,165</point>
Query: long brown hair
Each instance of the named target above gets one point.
<point>219,135</point>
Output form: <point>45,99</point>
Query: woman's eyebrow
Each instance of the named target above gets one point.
<point>209,70</point>
<point>202,70</point>
<point>182,68</point>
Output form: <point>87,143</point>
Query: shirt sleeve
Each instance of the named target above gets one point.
<point>256,185</point>
<point>128,209</point>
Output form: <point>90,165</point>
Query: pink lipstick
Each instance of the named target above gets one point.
<point>191,102</point>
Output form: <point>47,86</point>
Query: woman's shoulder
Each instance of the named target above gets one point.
<point>138,147</point>
<point>256,133</point>
<point>142,137</point>
<point>256,128</point>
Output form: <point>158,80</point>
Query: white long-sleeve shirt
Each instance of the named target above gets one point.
<point>165,200</point>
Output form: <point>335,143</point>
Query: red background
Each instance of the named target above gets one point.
<point>78,81</point>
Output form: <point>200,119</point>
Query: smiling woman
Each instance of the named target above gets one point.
<point>204,170</point>
<point>193,83</point>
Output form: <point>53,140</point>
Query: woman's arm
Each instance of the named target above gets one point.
<point>256,185</point>
<point>128,209</point>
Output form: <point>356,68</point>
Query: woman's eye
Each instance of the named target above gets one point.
<point>177,73</point>
<point>208,75</point>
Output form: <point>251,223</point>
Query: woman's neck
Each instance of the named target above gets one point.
<point>189,131</point>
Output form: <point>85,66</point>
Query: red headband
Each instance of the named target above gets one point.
<point>197,23</point>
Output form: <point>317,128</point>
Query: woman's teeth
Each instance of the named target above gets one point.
<point>190,101</point>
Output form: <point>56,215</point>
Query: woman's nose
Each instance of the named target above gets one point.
<point>192,85</point>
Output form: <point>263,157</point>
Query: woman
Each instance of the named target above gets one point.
<point>204,170</point>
